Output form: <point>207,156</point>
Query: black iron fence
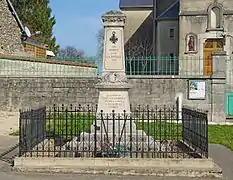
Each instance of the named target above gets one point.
<point>195,130</point>
<point>147,132</point>
<point>32,129</point>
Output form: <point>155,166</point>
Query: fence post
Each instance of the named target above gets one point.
<point>20,133</point>
<point>179,102</point>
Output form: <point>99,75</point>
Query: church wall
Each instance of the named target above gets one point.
<point>165,44</point>
<point>134,19</point>
<point>202,5</point>
<point>228,22</point>
<point>191,24</point>
<point>196,25</point>
<point>228,27</point>
<point>194,19</point>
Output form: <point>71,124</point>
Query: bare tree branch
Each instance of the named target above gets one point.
<point>140,45</point>
<point>70,52</point>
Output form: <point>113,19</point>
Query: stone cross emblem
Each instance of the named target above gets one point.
<point>113,38</point>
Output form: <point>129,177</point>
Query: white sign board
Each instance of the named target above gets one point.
<point>197,89</point>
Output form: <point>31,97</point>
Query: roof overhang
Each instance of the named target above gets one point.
<point>50,53</point>
<point>136,4</point>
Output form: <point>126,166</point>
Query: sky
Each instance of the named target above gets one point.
<point>78,22</point>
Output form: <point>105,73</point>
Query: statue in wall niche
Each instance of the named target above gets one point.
<point>191,43</point>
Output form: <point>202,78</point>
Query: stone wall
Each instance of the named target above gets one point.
<point>45,68</point>
<point>16,93</point>
<point>10,33</point>
<point>163,91</point>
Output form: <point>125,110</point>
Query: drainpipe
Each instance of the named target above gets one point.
<point>154,27</point>
<point>17,17</point>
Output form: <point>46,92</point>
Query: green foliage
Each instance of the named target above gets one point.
<point>37,16</point>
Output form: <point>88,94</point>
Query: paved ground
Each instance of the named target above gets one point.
<point>222,156</point>
<point>6,142</point>
<point>29,176</point>
<point>9,122</point>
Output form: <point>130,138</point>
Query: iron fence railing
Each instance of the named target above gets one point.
<point>147,132</point>
<point>32,129</point>
<point>165,66</point>
<point>195,130</point>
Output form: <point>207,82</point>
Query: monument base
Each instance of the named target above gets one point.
<point>114,128</point>
<point>113,97</point>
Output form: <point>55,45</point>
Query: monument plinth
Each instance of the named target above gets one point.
<point>113,87</point>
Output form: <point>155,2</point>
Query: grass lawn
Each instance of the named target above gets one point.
<point>217,134</point>
<point>162,131</point>
<point>69,125</point>
<point>221,135</point>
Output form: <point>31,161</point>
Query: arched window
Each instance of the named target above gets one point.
<point>215,17</point>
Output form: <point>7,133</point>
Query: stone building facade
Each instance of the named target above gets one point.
<point>205,27</point>
<point>11,29</point>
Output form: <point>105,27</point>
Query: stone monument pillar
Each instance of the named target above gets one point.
<point>113,87</point>
<point>117,129</point>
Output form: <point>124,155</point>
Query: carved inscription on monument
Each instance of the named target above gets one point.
<point>113,59</point>
<point>114,101</point>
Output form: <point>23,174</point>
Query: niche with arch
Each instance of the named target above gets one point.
<point>215,17</point>
<point>191,43</point>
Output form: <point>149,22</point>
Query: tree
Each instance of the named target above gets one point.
<point>140,44</point>
<point>100,41</point>
<point>140,47</point>
<point>37,16</point>
<point>70,52</point>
